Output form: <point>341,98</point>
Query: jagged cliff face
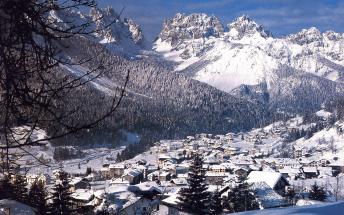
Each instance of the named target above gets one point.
<point>245,26</point>
<point>158,101</point>
<point>120,35</point>
<point>195,26</point>
<point>247,54</point>
<point>244,70</point>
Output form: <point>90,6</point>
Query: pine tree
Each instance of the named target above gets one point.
<point>240,197</point>
<point>339,109</point>
<point>62,203</point>
<point>290,195</point>
<point>88,170</point>
<point>215,207</point>
<point>37,198</point>
<point>317,193</point>
<point>195,197</point>
<point>20,191</point>
<point>6,188</point>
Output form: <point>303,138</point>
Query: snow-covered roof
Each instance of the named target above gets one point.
<point>83,194</point>
<point>216,174</point>
<point>119,181</point>
<point>164,156</point>
<point>270,178</point>
<point>122,197</point>
<point>179,181</point>
<point>267,197</point>
<point>164,174</point>
<point>99,194</point>
<point>171,200</point>
<point>309,169</point>
<point>323,113</point>
<point>182,175</point>
<point>325,171</point>
<point>117,166</point>
<point>149,186</point>
<point>290,170</point>
<point>75,180</point>
<point>133,172</point>
<point>218,166</point>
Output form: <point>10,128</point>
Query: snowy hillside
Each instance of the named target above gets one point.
<point>325,144</point>
<point>246,54</point>
<point>332,208</point>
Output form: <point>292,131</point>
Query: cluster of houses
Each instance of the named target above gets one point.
<point>143,185</point>
<point>140,186</point>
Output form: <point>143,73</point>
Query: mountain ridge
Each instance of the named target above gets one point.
<point>247,54</point>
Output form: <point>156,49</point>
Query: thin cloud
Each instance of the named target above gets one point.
<point>209,4</point>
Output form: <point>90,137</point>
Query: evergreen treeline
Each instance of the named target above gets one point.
<point>57,201</point>
<point>158,102</point>
<point>196,199</point>
<point>317,193</point>
<point>64,153</point>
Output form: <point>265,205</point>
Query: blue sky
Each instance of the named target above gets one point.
<point>281,17</point>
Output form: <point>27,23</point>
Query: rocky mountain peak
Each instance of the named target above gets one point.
<point>194,26</point>
<point>245,26</point>
<point>306,36</point>
<point>108,27</point>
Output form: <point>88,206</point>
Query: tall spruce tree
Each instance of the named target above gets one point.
<point>6,188</point>
<point>317,193</point>
<point>290,195</point>
<point>20,191</point>
<point>195,197</point>
<point>215,207</point>
<point>62,203</point>
<point>241,197</point>
<point>38,198</point>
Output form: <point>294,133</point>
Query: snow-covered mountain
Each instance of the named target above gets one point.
<point>159,103</point>
<point>245,53</point>
<point>105,26</point>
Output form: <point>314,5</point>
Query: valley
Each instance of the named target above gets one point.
<point>209,118</point>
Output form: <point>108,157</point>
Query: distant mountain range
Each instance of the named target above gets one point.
<point>299,71</point>
<point>159,102</point>
<point>201,76</point>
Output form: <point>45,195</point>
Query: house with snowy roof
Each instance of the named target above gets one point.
<point>41,178</point>
<point>232,151</point>
<point>79,183</point>
<point>116,170</point>
<point>211,159</point>
<point>171,204</point>
<point>241,171</point>
<point>274,180</point>
<point>310,172</point>
<point>134,176</point>
<point>267,197</point>
<point>163,157</point>
<point>217,168</point>
<point>337,167</point>
<point>215,178</point>
<point>179,182</point>
<point>290,172</point>
<point>324,171</point>
<point>149,189</point>
<point>128,200</point>
<point>82,198</point>
<point>165,176</point>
